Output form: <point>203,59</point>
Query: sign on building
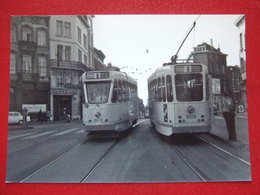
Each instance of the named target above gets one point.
<point>216,90</point>
<point>33,108</point>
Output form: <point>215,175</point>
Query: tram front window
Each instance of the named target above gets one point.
<point>189,87</point>
<point>98,92</point>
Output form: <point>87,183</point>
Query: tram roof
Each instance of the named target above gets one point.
<point>114,74</point>
<point>169,67</point>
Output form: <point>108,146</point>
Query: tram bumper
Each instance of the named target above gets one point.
<point>95,127</point>
<point>192,129</point>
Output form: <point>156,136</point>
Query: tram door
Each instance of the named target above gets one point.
<point>62,107</point>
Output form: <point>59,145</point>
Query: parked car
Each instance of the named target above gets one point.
<point>16,118</point>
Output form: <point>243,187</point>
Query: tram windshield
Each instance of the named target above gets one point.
<point>189,87</point>
<point>98,92</point>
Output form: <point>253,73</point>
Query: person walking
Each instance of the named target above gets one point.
<point>229,116</point>
<point>40,116</point>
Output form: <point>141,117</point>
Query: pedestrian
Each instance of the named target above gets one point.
<point>48,115</point>
<point>40,116</point>
<point>229,116</point>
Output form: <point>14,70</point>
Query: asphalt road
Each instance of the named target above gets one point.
<point>62,153</point>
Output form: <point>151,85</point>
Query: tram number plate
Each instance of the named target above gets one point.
<point>98,120</point>
<point>191,116</point>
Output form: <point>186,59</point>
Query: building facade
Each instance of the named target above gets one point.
<point>99,57</point>
<point>71,53</point>
<point>29,69</point>
<point>240,23</point>
<point>215,60</point>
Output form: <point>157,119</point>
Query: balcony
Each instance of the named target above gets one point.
<point>27,45</point>
<point>69,65</point>
<point>26,76</point>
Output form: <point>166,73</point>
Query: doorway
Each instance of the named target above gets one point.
<point>62,106</point>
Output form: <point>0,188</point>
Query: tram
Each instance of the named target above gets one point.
<point>110,101</point>
<point>179,98</point>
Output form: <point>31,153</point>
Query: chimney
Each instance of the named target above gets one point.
<point>211,42</point>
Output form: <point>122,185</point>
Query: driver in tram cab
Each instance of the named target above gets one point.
<point>101,97</point>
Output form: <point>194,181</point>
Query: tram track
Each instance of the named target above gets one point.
<point>201,157</point>
<point>172,147</point>
<point>98,162</point>
<point>220,155</point>
<point>224,151</point>
<point>186,161</point>
<point>53,161</point>
<point>62,160</point>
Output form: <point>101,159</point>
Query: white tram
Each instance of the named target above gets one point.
<point>179,99</point>
<point>109,101</point>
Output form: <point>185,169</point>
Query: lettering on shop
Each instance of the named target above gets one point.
<point>63,91</point>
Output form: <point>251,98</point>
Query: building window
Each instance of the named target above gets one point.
<point>59,28</point>
<point>79,35</point>
<point>67,29</point>
<point>67,78</point>
<point>59,81</point>
<point>27,19</point>
<point>86,59</point>
<point>59,52</point>
<point>27,63</point>
<point>223,69</point>
<point>42,62</point>
<point>42,37</point>
<point>79,55</point>
<point>27,34</point>
<point>14,39</point>
<point>42,21</point>
<point>13,64</point>
<point>85,40</point>
<point>67,53</point>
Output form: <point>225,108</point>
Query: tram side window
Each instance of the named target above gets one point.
<point>169,88</point>
<point>159,91</point>
<point>163,90</point>
<point>115,92</point>
<point>126,91</point>
<point>120,95</point>
<point>207,86</point>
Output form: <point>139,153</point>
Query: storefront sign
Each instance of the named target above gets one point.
<point>216,86</point>
<point>33,108</point>
<point>63,91</point>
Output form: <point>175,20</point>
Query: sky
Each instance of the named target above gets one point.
<point>139,44</point>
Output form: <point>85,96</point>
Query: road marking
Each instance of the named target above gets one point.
<point>80,131</point>
<point>248,163</point>
<point>39,135</point>
<point>65,132</point>
<point>18,136</point>
<point>139,122</point>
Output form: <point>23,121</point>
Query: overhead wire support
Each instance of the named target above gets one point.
<point>174,57</point>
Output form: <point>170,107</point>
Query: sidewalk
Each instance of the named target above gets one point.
<point>219,129</point>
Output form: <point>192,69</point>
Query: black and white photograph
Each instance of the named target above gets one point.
<point>128,99</point>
